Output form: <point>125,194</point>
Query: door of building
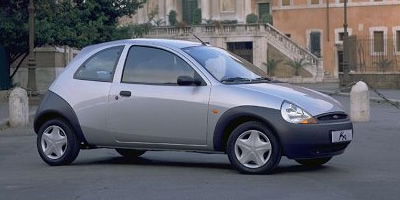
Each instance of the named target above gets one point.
<point>242,49</point>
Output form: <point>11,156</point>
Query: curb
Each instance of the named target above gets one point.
<point>4,122</point>
<point>371,99</point>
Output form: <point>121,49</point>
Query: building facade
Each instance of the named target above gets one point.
<point>315,26</point>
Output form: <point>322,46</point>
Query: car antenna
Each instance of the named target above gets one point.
<point>202,42</point>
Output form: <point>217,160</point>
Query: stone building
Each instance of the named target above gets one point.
<point>310,29</point>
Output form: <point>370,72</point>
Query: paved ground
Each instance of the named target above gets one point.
<point>393,94</point>
<point>369,169</point>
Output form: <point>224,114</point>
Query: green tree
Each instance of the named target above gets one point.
<point>297,65</point>
<point>74,23</point>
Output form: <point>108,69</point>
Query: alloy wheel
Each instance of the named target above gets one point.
<point>54,142</point>
<point>253,149</point>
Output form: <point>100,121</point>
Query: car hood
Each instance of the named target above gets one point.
<point>315,103</point>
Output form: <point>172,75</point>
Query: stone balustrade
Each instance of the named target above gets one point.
<point>274,37</point>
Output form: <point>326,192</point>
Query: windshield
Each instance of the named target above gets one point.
<point>226,67</point>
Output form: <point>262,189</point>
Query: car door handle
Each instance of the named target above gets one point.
<point>125,93</point>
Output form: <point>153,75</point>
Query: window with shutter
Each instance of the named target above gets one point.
<point>315,43</point>
<point>285,2</point>
<point>314,1</point>
<point>188,7</point>
<point>378,41</point>
<point>263,8</point>
<point>397,40</point>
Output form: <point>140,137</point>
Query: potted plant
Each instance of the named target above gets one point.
<point>252,18</point>
<point>172,18</point>
<point>384,63</point>
<point>297,64</point>
<point>271,66</point>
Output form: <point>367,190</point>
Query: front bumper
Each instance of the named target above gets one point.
<point>307,141</point>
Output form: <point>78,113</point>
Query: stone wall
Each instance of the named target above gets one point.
<point>377,80</point>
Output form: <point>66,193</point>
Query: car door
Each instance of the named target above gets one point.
<point>148,106</point>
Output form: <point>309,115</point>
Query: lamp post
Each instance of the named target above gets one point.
<point>346,69</point>
<point>346,33</point>
<point>32,59</point>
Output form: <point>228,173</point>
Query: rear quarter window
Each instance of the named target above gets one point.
<point>100,66</point>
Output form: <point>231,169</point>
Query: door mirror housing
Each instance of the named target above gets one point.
<point>187,80</point>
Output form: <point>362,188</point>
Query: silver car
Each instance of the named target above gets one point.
<point>148,94</point>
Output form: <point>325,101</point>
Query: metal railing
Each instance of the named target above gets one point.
<point>369,55</point>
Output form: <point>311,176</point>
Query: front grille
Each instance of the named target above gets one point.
<point>333,117</point>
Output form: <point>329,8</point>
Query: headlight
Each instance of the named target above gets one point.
<point>294,114</point>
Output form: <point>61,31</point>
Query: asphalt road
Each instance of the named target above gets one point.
<point>369,169</point>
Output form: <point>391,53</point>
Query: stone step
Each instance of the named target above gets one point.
<point>330,80</point>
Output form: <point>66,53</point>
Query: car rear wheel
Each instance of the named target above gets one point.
<point>253,148</point>
<point>57,143</point>
<point>130,153</point>
<point>314,162</point>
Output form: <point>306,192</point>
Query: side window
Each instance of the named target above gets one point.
<point>100,66</point>
<point>146,65</point>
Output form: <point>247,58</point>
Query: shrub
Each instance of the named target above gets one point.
<point>172,18</point>
<point>196,17</point>
<point>384,63</point>
<point>251,18</point>
<point>266,18</point>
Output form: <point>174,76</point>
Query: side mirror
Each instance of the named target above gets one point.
<point>187,80</point>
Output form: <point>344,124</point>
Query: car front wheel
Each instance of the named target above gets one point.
<point>57,143</point>
<point>253,148</point>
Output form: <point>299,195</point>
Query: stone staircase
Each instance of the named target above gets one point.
<point>273,37</point>
<point>329,78</point>
<point>295,51</point>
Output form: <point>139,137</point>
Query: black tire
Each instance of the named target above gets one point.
<point>130,153</point>
<point>314,162</point>
<point>275,152</point>
<point>71,148</point>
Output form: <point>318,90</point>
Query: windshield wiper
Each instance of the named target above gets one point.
<point>235,79</point>
<point>261,79</point>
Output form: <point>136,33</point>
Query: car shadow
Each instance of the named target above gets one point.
<point>142,161</point>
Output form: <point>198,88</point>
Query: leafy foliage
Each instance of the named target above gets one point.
<point>384,63</point>
<point>74,23</point>
<point>251,18</point>
<point>266,18</point>
<point>172,17</point>
<point>297,65</point>
<point>271,66</point>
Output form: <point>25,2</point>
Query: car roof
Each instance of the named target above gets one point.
<point>160,42</point>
